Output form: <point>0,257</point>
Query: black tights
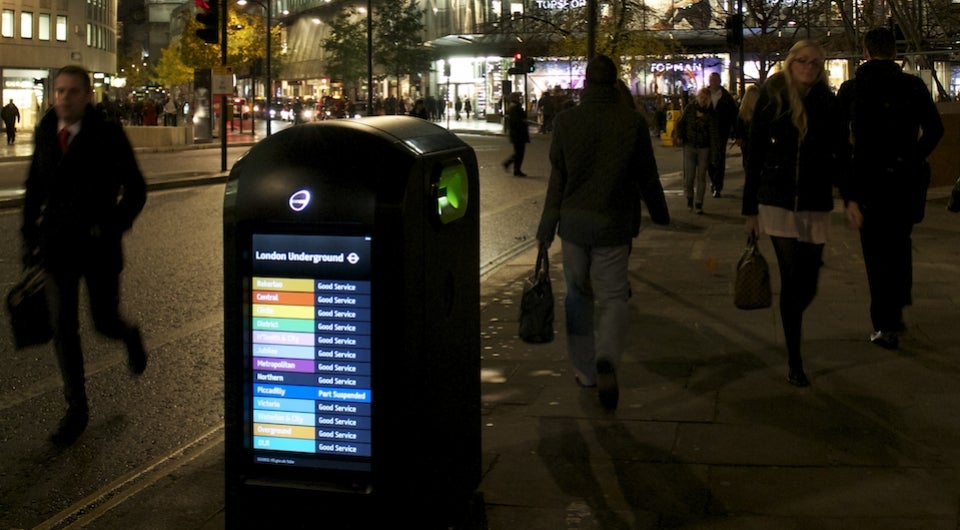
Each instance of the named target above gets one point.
<point>799,265</point>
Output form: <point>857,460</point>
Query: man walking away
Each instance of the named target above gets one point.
<point>83,191</point>
<point>519,133</point>
<point>602,165</point>
<point>11,116</point>
<point>895,126</point>
<point>724,117</point>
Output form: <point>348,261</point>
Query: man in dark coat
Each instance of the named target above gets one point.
<point>724,116</point>
<point>83,191</point>
<point>602,165</point>
<point>11,116</point>
<point>895,126</point>
<point>519,132</point>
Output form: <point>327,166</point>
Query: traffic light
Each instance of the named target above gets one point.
<point>522,65</point>
<point>209,17</point>
<point>734,29</point>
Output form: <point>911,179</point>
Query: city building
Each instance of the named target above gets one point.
<point>39,36</point>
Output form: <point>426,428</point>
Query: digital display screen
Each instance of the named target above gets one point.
<point>309,345</point>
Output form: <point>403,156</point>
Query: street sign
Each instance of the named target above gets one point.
<point>222,80</point>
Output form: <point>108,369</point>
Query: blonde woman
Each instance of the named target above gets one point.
<point>744,118</point>
<point>798,151</point>
<point>693,131</point>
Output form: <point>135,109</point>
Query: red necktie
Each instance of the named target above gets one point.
<point>64,136</point>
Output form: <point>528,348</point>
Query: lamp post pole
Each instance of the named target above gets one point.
<point>369,57</point>
<point>267,88</point>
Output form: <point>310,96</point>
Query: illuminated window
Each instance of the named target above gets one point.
<point>61,28</point>
<point>43,26</point>
<point>6,24</point>
<point>26,25</point>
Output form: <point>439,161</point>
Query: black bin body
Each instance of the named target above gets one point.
<point>351,327</point>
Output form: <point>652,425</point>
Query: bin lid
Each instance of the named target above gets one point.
<point>352,164</point>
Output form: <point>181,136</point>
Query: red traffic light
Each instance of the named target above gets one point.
<point>517,56</point>
<point>209,19</point>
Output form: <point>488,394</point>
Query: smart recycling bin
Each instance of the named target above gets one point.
<point>351,327</point>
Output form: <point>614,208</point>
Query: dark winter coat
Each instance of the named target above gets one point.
<point>517,126</point>
<point>696,126</point>
<point>725,115</point>
<point>79,203</point>
<point>602,165</point>
<point>781,170</point>
<point>887,109</point>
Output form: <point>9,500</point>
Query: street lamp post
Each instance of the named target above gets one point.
<point>267,87</point>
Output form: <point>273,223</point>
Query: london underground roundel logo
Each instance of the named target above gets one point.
<point>299,200</point>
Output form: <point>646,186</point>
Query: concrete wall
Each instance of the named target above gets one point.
<point>159,136</point>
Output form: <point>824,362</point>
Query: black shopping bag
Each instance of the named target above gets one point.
<point>27,305</point>
<point>536,305</point>
<point>752,287</point>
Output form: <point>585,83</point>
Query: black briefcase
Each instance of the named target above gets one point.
<point>29,314</point>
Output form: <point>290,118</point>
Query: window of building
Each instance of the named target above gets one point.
<point>62,28</point>
<point>6,23</point>
<point>89,34</point>
<point>43,26</point>
<point>26,25</point>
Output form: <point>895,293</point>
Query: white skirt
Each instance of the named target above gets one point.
<point>805,226</point>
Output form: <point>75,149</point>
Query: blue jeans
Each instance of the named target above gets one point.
<point>695,163</point>
<point>595,306</point>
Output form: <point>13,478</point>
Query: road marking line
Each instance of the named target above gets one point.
<point>95,505</point>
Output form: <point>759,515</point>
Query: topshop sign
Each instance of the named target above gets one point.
<point>560,4</point>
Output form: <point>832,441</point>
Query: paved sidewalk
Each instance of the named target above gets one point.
<point>708,434</point>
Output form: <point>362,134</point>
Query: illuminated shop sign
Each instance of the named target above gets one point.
<point>661,67</point>
<point>560,4</point>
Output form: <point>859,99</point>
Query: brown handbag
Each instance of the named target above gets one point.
<point>752,287</point>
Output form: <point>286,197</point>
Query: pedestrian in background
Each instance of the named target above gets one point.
<point>419,109</point>
<point>694,131</point>
<point>602,165</point>
<point>724,117</point>
<point>744,119</point>
<point>798,151</point>
<point>895,125</point>
<point>11,116</point>
<point>83,191</point>
<point>519,132</point>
